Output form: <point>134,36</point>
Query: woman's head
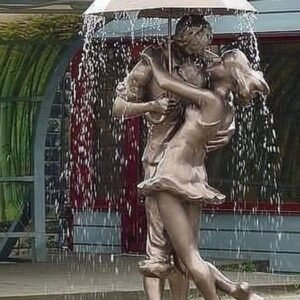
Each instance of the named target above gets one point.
<point>193,34</point>
<point>247,82</point>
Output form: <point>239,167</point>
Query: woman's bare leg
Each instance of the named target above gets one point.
<point>180,231</point>
<point>240,291</point>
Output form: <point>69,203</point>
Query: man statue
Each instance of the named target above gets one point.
<point>139,95</point>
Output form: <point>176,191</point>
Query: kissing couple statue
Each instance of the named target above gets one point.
<point>198,118</point>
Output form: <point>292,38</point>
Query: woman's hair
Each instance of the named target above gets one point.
<point>187,22</point>
<point>241,69</point>
<point>233,55</point>
<point>234,58</point>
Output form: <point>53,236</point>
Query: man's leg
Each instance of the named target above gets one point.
<point>154,288</point>
<point>179,285</point>
<point>157,267</point>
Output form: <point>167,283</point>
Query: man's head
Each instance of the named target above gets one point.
<point>193,34</point>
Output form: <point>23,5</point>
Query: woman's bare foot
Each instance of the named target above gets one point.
<point>243,292</point>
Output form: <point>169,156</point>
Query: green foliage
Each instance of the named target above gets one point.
<point>41,28</point>
<point>240,267</point>
<point>29,50</point>
<point>25,70</point>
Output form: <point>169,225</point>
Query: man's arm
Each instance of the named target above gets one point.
<point>189,93</point>
<point>130,95</point>
<point>122,108</point>
<point>137,82</point>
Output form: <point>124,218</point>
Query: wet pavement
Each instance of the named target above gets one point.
<point>111,277</point>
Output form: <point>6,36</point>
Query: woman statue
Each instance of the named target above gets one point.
<point>179,180</point>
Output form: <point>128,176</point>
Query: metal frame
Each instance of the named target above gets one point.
<point>17,179</point>
<point>39,215</point>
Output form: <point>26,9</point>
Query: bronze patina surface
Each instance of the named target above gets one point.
<point>198,119</point>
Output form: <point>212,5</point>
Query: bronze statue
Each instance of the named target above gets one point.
<point>178,179</point>
<point>143,92</point>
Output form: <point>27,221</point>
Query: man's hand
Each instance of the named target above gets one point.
<point>221,139</point>
<point>164,106</point>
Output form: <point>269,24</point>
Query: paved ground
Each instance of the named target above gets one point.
<point>284,297</point>
<point>289,296</point>
<point>109,277</point>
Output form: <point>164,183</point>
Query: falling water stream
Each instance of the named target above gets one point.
<point>255,160</point>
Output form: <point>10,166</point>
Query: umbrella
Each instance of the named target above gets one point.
<point>162,9</point>
<point>169,9</point>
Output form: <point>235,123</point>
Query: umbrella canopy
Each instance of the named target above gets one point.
<point>168,9</point>
<point>163,9</point>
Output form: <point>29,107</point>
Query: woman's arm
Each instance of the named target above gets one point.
<point>188,92</point>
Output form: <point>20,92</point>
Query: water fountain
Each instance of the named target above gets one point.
<point>90,64</point>
<point>91,112</point>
